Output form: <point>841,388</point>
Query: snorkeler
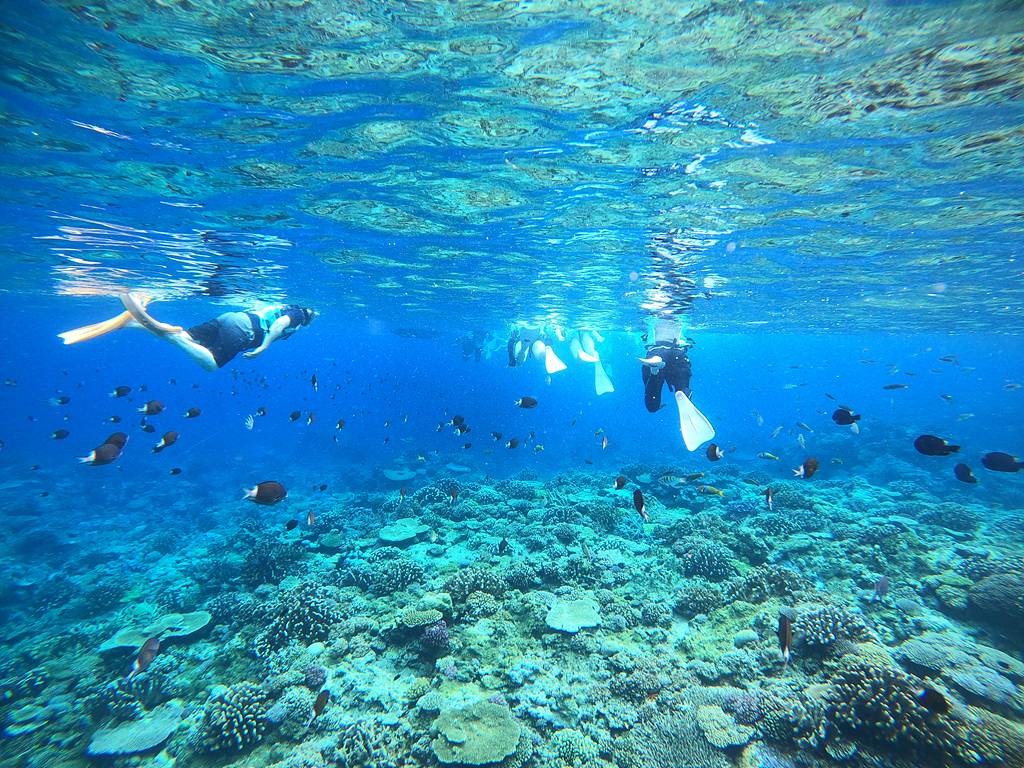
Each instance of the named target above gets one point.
<point>666,363</point>
<point>211,344</point>
<point>525,342</point>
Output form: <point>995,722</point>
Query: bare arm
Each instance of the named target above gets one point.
<point>280,326</point>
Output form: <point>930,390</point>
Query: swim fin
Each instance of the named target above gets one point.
<point>87,332</point>
<point>696,429</point>
<point>552,364</point>
<point>602,384</point>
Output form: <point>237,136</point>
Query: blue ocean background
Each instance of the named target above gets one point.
<point>827,199</point>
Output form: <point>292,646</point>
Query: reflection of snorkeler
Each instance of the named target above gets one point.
<point>213,343</point>
<point>667,363</point>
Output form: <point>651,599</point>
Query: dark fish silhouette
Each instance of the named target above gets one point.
<point>930,445</point>
<point>785,634</point>
<point>963,473</point>
<point>640,505</point>
<point>267,492</point>
<point>1001,462</point>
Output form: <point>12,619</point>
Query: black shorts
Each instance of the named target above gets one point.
<point>227,335</point>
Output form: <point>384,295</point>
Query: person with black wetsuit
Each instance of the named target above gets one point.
<point>211,344</point>
<point>667,363</point>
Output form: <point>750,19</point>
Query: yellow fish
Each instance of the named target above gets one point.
<point>711,489</point>
<point>766,455</point>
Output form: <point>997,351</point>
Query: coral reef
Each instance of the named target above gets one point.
<point>234,719</point>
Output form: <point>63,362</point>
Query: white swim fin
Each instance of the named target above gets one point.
<point>602,384</point>
<point>696,429</point>
<point>551,362</point>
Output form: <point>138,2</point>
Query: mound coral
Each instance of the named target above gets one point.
<point>821,628</point>
<point>668,741</point>
<point>765,582</point>
<point>475,579</point>
<point>268,562</point>
<point>303,615</point>
<point>880,704</point>
<point>708,559</point>
<point>233,720</point>
<point>697,596</point>
<point>386,571</point>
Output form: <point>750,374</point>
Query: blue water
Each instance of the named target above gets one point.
<point>828,199</point>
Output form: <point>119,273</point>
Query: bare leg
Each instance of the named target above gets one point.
<point>175,334</point>
<point>192,348</point>
<point>135,304</point>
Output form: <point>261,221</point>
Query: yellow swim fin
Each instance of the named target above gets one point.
<point>87,332</point>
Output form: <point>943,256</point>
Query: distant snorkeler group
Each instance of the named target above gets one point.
<point>216,342</point>
<point>665,364</point>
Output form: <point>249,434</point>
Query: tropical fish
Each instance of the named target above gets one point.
<point>963,473</point>
<point>710,489</point>
<point>294,415</point>
<point>714,453</point>
<point>145,656</point>
<point>998,461</point>
<point>526,402</point>
<point>895,386</point>
<point>104,454</point>
<point>267,492</point>
<point>807,469</point>
<point>881,588</point>
<point>933,701</point>
<point>775,432</point>
<point>844,417</point>
<point>930,445</point>
<point>121,391</point>
<point>192,413</point>
<point>169,439</point>
<point>769,496</point>
<point>291,525</point>
<point>152,408</point>
<point>641,507</point>
<point>766,455</point>
<point>319,705</point>
<point>785,635</point>
<point>313,383</point>
<point>59,434</point>
<point>620,483</point>
<point>604,442</point>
